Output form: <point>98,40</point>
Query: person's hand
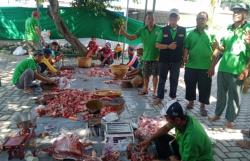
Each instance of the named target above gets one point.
<point>122,30</point>
<point>172,46</point>
<point>215,45</point>
<point>243,74</point>
<point>58,73</point>
<point>210,72</point>
<point>144,145</point>
<point>173,158</point>
<point>185,59</point>
<point>50,81</point>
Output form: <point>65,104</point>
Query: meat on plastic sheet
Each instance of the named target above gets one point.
<point>148,126</point>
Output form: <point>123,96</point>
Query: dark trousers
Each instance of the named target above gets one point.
<point>174,69</point>
<point>166,146</point>
<point>193,77</point>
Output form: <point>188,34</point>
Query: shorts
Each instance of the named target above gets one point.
<point>150,68</point>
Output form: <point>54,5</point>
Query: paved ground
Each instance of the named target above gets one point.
<point>13,100</point>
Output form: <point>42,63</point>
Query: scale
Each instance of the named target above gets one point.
<point>119,132</point>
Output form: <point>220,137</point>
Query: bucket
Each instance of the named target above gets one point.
<point>119,71</point>
<point>84,62</point>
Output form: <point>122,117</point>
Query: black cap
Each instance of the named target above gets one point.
<point>38,52</point>
<point>173,109</point>
<point>240,6</point>
<point>47,51</point>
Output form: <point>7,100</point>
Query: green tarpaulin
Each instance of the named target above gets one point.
<point>81,22</point>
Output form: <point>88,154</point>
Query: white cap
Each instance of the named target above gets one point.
<point>139,46</point>
<point>173,108</point>
<point>174,11</point>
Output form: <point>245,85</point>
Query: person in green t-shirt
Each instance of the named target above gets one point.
<point>191,142</point>
<point>148,36</point>
<point>27,71</point>
<point>198,57</point>
<point>32,32</point>
<point>233,66</point>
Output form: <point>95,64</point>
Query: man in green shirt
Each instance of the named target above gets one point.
<point>234,65</point>
<point>148,35</point>
<point>198,57</point>
<point>27,71</point>
<point>33,33</point>
<point>191,142</point>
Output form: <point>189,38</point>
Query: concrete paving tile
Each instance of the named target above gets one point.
<point>218,152</point>
<point>234,155</point>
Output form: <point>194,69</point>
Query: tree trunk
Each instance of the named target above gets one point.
<point>62,28</point>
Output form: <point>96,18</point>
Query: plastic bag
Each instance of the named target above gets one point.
<point>63,83</point>
<point>19,51</point>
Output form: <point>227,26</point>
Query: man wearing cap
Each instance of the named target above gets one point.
<point>193,144</point>
<point>198,53</point>
<point>171,44</point>
<point>234,65</point>
<point>32,32</point>
<point>107,55</point>
<point>27,71</point>
<point>148,35</point>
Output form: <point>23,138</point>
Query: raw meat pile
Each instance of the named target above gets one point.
<point>65,103</point>
<point>67,73</point>
<point>111,156</point>
<point>98,72</point>
<point>135,154</point>
<point>148,126</point>
<point>70,146</point>
<point>68,102</point>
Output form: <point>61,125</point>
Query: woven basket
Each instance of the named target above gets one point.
<point>119,71</point>
<point>84,62</point>
<point>94,106</point>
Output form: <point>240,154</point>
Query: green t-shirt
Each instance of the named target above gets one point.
<point>28,63</point>
<point>199,45</point>
<point>236,52</point>
<point>194,143</point>
<point>150,52</point>
<point>30,32</point>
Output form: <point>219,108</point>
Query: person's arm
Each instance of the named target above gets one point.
<point>215,56</point>
<point>185,56</point>
<point>131,63</point>
<point>43,79</point>
<point>124,33</point>
<point>162,131</point>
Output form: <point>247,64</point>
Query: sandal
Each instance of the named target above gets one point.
<point>243,144</point>
<point>157,101</point>
<point>246,133</point>
<point>214,118</point>
<point>142,93</point>
<point>190,105</point>
<point>203,112</point>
